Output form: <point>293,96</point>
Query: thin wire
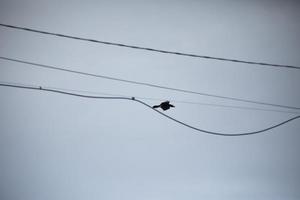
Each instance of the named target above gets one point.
<point>219,133</point>
<point>145,104</point>
<point>150,49</point>
<point>144,84</point>
<point>160,99</point>
<point>183,102</point>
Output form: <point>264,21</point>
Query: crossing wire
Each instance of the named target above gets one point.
<point>172,100</point>
<point>143,83</point>
<point>145,104</point>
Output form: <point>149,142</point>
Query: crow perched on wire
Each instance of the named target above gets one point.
<point>164,105</point>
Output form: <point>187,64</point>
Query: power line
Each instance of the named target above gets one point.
<point>219,133</point>
<point>161,99</point>
<point>183,102</point>
<point>143,103</point>
<point>150,49</point>
<point>144,84</point>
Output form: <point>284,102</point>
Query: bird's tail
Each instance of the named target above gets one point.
<point>156,106</point>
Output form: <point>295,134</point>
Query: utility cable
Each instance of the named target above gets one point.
<point>145,104</point>
<point>143,83</point>
<point>161,99</point>
<point>183,102</point>
<point>149,49</point>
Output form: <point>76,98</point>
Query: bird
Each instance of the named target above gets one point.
<point>164,105</point>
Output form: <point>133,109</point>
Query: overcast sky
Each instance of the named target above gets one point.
<point>60,147</point>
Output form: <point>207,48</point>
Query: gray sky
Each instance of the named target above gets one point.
<point>60,147</point>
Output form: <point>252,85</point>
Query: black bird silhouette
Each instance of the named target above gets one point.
<point>164,105</point>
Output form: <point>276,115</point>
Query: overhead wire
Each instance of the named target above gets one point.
<point>184,102</point>
<point>164,99</point>
<point>145,104</point>
<point>150,49</point>
<point>144,83</point>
